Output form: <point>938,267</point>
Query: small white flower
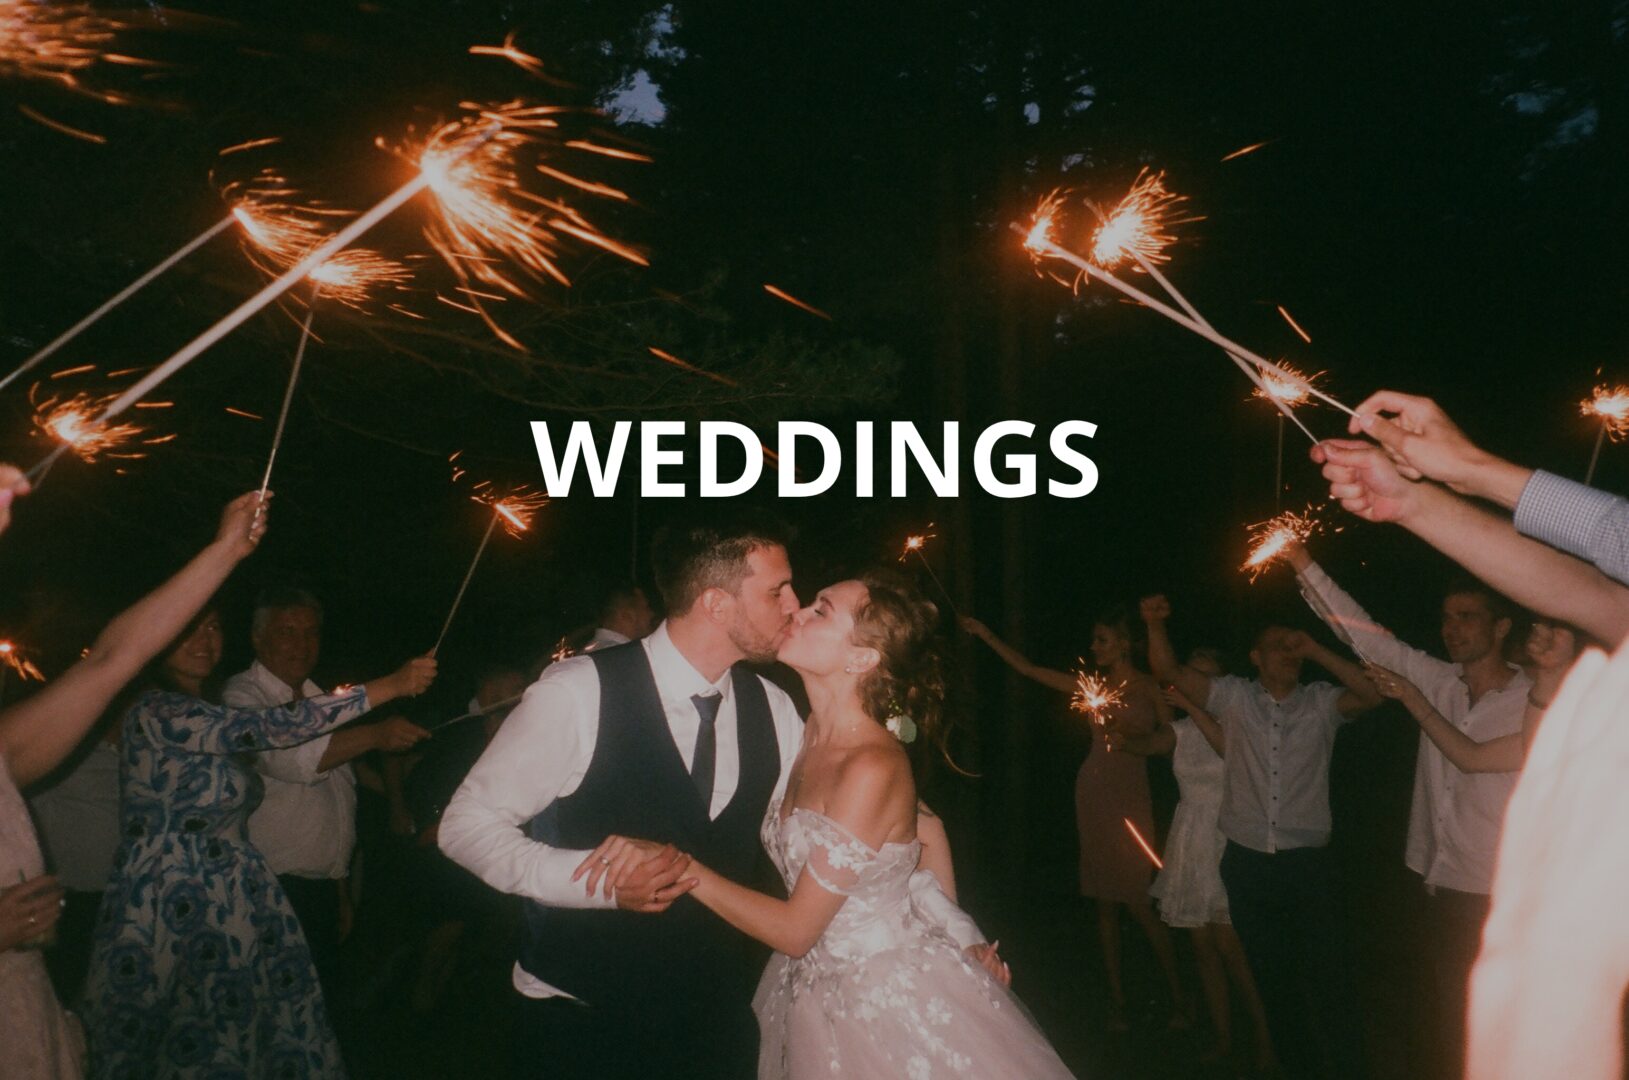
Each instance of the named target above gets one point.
<point>917,1068</point>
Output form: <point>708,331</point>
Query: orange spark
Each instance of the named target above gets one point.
<point>488,227</point>
<point>1270,540</point>
<point>608,151</point>
<point>56,42</point>
<point>507,51</point>
<point>1286,385</point>
<point>1137,836</point>
<point>661,354</point>
<point>12,657</point>
<point>58,126</point>
<point>1140,223</point>
<point>1611,404</point>
<point>1243,150</point>
<point>1094,697</point>
<point>915,543</point>
<point>1294,325</point>
<point>65,372</point>
<point>562,651</point>
<point>795,302</point>
<point>244,413</point>
<point>72,421</point>
<point>252,144</point>
<point>515,507</point>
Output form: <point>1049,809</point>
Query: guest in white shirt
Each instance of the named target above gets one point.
<point>1453,825</point>
<point>625,615</point>
<point>665,738</point>
<point>1281,887</point>
<point>306,823</point>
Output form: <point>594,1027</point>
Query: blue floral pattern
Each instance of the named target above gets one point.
<point>201,969</point>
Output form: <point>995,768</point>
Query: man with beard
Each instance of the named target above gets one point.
<point>665,738</point>
<point>1453,824</point>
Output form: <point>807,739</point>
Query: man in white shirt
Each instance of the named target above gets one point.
<point>666,738</point>
<point>1454,822</point>
<point>1281,887</point>
<point>305,826</point>
<point>625,616</point>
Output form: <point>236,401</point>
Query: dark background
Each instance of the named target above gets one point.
<point>1438,204</point>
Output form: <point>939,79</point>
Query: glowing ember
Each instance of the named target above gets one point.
<point>1611,404</point>
<point>1140,223</point>
<point>1270,540</point>
<point>280,230</point>
<point>1149,851</point>
<point>562,651</point>
<point>13,659</point>
<point>1304,336</point>
<point>507,51</point>
<point>493,230</point>
<point>1243,150</point>
<point>915,544</point>
<point>1286,384</point>
<point>515,507</point>
<point>73,422</point>
<point>795,302</point>
<point>667,357</point>
<point>1094,697</point>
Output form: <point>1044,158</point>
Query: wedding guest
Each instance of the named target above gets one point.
<point>1189,888</point>
<point>41,1041</point>
<point>1111,790</point>
<point>1453,823</point>
<point>200,964</point>
<point>306,824</point>
<point>625,615</point>
<point>1281,882</point>
<point>78,819</point>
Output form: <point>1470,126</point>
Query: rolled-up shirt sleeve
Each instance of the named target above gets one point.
<point>538,755</point>
<point>1579,520</point>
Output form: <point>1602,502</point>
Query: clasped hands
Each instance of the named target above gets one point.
<point>639,875</point>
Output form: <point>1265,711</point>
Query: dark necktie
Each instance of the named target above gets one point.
<point>701,765</point>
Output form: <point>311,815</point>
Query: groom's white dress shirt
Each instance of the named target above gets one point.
<point>542,752</point>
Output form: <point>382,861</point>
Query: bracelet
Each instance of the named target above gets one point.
<point>1536,703</point>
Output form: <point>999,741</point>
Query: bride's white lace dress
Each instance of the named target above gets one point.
<point>883,993</point>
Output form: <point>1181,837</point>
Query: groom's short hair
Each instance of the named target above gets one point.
<point>690,558</point>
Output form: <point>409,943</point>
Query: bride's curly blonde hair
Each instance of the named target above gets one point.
<point>899,622</point>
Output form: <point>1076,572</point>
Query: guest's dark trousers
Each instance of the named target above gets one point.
<point>1287,913</point>
<point>316,905</point>
<point>683,1037</point>
<point>1453,927</point>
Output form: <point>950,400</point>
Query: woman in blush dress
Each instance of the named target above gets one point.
<point>862,984</point>
<point>1112,799</point>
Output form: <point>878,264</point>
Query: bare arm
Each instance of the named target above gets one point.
<point>1162,657</point>
<point>393,735</point>
<point>1360,695</point>
<point>37,734</point>
<point>1061,681</point>
<point>1532,574</point>
<point>930,830</point>
<point>1502,754</point>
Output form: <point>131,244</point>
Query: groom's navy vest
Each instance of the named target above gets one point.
<point>637,785</point>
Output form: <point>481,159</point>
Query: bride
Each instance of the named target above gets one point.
<point>861,985</point>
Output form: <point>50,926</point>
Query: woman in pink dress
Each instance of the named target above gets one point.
<point>1111,800</point>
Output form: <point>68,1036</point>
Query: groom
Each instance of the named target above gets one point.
<point>665,739</point>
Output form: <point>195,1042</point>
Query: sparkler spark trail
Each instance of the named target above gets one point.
<point>72,423</point>
<point>914,545</point>
<point>1611,405</point>
<point>1094,697</point>
<point>1270,540</point>
<point>494,232</point>
<point>507,51</point>
<point>1306,337</point>
<point>515,507</point>
<point>795,302</point>
<point>56,42</point>
<point>1147,850</point>
<point>1243,150</point>
<point>13,659</point>
<point>1286,384</point>
<point>668,357</point>
<point>1140,223</point>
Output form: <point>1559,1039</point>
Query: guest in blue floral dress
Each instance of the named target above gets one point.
<point>200,967</point>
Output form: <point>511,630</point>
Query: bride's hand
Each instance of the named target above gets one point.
<point>614,861</point>
<point>986,956</point>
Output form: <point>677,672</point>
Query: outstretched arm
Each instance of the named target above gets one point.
<point>1061,681</point>
<point>1156,610</point>
<point>1502,754</point>
<point>1360,695</point>
<point>1534,575</point>
<point>37,734</point>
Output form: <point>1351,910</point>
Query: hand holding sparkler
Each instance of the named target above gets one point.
<point>1365,481</point>
<point>410,680</point>
<point>1425,443</point>
<point>243,523</point>
<point>1279,539</point>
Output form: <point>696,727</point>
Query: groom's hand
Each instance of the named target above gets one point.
<point>641,875</point>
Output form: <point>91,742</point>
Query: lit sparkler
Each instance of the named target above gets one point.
<point>513,507</point>
<point>1147,850</point>
<point>562,650</point>
<point>1139,226</point>
<point>72,423</point>
<point>1271,540</point>
<point>1094,697</point>
<point>1285,388</point>
<point>915,545</point>
<point>1611,405</point>
<point>494,231</point>
<point>12,658</point>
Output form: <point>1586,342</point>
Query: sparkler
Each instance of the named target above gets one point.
<point>1271,540</point>
<point>119,297</point>
<point>1039,242</point>
<point>1147,850</point>
<point>1611,404</point>
<point>71,422</point>
<point>1286,389</point>
<point>1139,226</point>
<point>1094,697</point>
<point>12,659</point>
<point>562,650</point>
<point>476,714</point>
<point>497,236</point>
<point>913,546</point>
<point>515,510</point>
